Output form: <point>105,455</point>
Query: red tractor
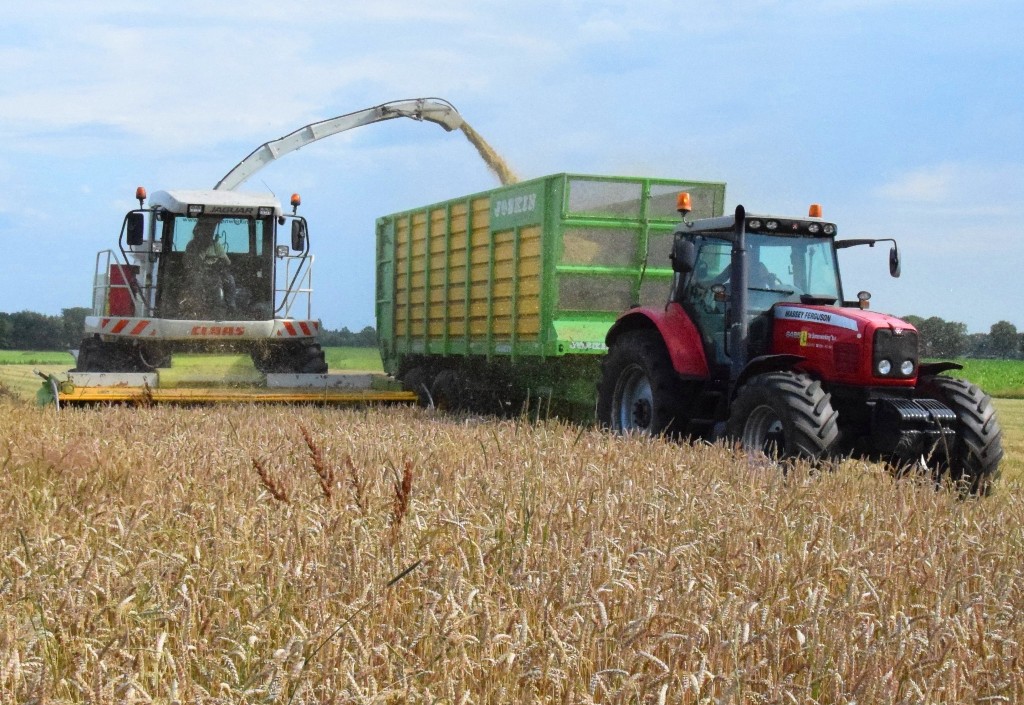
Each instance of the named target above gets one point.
<point>757,344</point>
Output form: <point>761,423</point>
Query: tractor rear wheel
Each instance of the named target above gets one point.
<point>784,415</point>
<point>973,461</point>
<point>639,391</point>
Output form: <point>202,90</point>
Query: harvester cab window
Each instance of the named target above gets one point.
<point>230,277</point>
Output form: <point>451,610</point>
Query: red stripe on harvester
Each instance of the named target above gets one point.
<point>289,327</point>
<point>141,326</point>
<point>120,326</point>
<point>305,328</point>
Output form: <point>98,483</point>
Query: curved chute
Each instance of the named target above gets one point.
<point>430,109</point>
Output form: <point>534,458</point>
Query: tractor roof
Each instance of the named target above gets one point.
<point>215,202</point>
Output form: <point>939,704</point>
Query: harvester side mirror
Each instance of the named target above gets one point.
<point>894,262</point>
<point>136,229</point>
<point>298,235</point>
<point>684,255</point>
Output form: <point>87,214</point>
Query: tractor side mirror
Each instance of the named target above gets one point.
<point>684,255</point>
<point>136,229</point>
<point>894,262</point>
<point>298,234</point>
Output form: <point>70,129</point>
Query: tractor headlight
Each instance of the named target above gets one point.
<point>907,368</point>
<point>884,367</point>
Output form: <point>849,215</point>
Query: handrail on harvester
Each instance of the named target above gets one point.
<point>430,109</point>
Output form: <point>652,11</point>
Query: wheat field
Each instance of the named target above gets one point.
<point>309,555</point>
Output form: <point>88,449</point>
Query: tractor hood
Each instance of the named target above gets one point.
<point>851,319</point>
<point>227,203</point>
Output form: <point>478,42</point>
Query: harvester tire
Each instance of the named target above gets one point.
<point>639,391</point>
<point>784,415</point>
<point>94,355</point>
<point>973,461</point>
<point>311,360</point>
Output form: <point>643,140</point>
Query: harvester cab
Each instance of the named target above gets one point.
<point>759,345</point>
<point>204,270</point>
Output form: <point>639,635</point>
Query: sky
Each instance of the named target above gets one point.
<point>903,118</point>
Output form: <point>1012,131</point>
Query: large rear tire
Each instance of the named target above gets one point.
<point>784,415</point>
<point>639,390</point>
<point>973,461</point>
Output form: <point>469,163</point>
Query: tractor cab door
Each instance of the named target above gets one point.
<point>699,299</point>
<point>214,268</point>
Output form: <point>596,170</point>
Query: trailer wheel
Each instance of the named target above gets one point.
<point>973,461</point>
<point>784,415</point>
<point>638,389</point>
<point>448,391</point>
<point>415,380</point>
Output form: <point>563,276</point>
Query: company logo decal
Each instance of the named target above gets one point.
<point>515,204</point>
<point>810,316</point>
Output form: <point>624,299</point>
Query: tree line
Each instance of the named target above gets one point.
<point>946,339</point>
<point>28,330</point>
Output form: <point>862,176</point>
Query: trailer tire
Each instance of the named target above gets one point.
<point>973,461</point>
<point>448,391</point>
<point>784,415</point>
<point>415,380</point>
<point>639,390</point>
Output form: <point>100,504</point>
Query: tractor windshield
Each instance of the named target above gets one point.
<point>791,268</point>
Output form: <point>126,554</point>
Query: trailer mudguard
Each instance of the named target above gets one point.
<point>682,340</point>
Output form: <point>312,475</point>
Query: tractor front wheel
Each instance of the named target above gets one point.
<point>639,391</point>
<point>973,460</point>
<point>784,415</point>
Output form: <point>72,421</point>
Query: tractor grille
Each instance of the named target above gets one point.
<point>895,346</point>
<point>846,357</point>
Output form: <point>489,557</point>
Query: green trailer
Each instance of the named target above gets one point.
<point>502,299</point>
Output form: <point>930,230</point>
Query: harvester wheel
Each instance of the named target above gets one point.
<point>638,391</point>
<point>784,415</point>
<point>94,355</point>
<point>311,360</point>
<point>973,461</point>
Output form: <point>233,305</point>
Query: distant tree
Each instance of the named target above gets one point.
<point>5,331</point>
<point>74,325</point>
<point>34,331</point>
<point>1003,339</point>
<point>940,338</point>
<point>978,345</point>
<point>366,338</point>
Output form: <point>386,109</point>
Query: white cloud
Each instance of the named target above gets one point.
<point>934,184</point>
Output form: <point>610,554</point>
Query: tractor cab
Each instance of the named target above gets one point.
<point>796,265</point>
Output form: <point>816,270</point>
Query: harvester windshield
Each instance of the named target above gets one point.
<point>215,267</point>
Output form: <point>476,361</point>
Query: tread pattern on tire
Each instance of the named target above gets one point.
<point>644,347</point>
<point>810,424</point>
<point>974,458</point>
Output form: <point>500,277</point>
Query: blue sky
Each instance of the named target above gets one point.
<point>904,118</point>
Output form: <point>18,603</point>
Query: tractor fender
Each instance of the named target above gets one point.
<point>680,335</point>
<point>936,368</point>
<point>766,363</point>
